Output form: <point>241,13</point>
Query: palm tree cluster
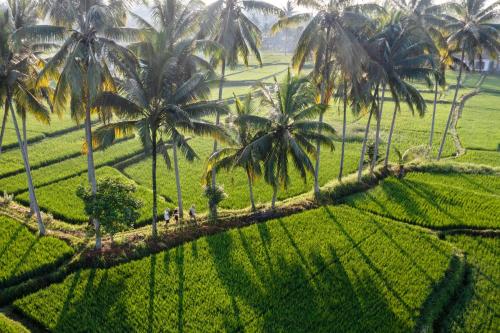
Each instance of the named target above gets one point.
<point>362,51</point>
<point>153,80</point>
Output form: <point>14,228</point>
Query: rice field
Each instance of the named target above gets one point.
<point>23,255</point>
<point>476,310</point>
<point>57,158</point>
<point>70,167</point>
<point>435,201</point>
<point>354,267</point>
<point>318,269</point>
<point>60,198</point>
<point>8,325</point>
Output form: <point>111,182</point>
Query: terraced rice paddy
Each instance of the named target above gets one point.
<point>60,198</point>
<point>56,158</point>
<point>440,201</point>
<point>297,273</point>
<point>477,308</point>
<point>355,267</point>
<point>23,255</point>
<point>8,325</point>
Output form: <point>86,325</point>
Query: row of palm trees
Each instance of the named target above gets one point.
<point>154,80</point>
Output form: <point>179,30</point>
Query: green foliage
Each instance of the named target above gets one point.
<point>113,204</point>
<point>60,199</point>
<point>476,308</point>
<point>215,195</point>
<point>8,325</point>
<point>24,255</point>
<point>288,136</point>
<point>438,201</point>
<point>315,270</point>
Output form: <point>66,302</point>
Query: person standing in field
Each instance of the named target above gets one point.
<point>176,215</point>
<point>166,215</point>
<point>192,214</point>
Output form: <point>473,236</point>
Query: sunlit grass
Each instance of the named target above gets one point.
<point>477,307</point>
<point>24,255</point>
<point>435,201</point>
<point>312,271</point>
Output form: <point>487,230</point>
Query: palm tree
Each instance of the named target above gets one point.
<point>24,13</point>
<point>330,39</point>
<point>185,117</point>
<point>447,59</point>
<point>397,54</point>
<point>81,64</point>
<point>161,91</point>
<point>406,58</point>
<point>16,82</point>
<point>245,124</point>
<point>424,15</point>
<point>227,24</point>
<point>289,134</point>
<point>473,32</point>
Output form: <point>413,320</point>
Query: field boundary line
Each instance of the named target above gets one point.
<point>441,232</point>
<point>46,135</point>
<point>76,174</point>
<point>41,165</point>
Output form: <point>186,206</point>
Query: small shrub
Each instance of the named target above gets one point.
<point>113,205</point>
<point>215,195</point>
<point>6,198</point>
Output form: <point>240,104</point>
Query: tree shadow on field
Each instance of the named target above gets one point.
<point>179,260</point>
<point>400,195</point>
<point>401,249</point>
<point>24,256</point>
<point>93,304</point>
<point>367,260</point>
<point>152,278</point>
<point>468,178</point>
<point>11,240</point>
<point>423,192</point>
<point>300,291</point>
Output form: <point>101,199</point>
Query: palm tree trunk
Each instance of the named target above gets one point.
<point>31,188</point>
<point>25,144</point>
<point>153,179</point>
<point>91,170</point>
<point>316,169</point>
<point>4,124</point>
<point>217,117</point>
<point>250,190</point>
<point>389,141</point>
<point>25,131</point>
<point>344,127</point>
<point>377,132</point>
<point>275,195</point>
<point>326,76</point>
<point>431,137</point>
<point>286,39</point>
<point>452,106</point>
<point>177,181</point>
<point>363,149</point>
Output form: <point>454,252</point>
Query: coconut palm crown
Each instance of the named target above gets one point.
<point>289,134</point>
